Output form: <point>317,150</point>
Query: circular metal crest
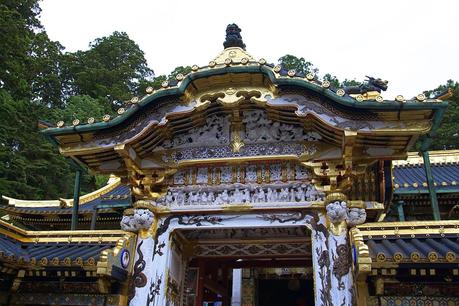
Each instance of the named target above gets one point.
<point>125,258</point>
<point>106,118</point>
<point>76,122</point>
<point>60,124</point>
<point>340,92</point>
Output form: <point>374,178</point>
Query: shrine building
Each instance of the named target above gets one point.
<point>243,183</point>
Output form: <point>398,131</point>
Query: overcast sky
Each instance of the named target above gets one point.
<point>413,44</point>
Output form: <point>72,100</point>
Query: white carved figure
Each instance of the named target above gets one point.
<point>180,198</point>
<point>292,195</point>
<point>175,194</point>
<point>337,211</point>
<point>283,197</point>
<point>269,195</point>
<point>260,197</point>
<point>128,224</point>
<point>356,216</point>
<point>237,196</point>
<point>141,219</point>
<point>204,198</point>
<point>246,196</point>
<point>314,194</point>
<point>211,197</point>
<point>169,198</point>
<point>225,199</point>
<point>300,194</point>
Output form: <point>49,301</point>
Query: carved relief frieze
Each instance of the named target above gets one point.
<point>259,128</point>
<point>215,131</point>
<point>207,196</point>
<point>262,249</point>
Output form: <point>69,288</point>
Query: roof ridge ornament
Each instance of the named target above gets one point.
<point>233,37</point>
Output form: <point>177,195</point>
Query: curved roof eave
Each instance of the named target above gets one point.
<point>346,101</point>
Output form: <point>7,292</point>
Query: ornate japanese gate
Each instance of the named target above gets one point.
<point>241,144</point>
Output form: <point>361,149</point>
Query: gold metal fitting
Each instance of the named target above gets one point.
<point>106,118</point>
<point>310,76</point>
<point>134,100</point>
<point>121,111</point>
<point>228,61</point>
<point>360,98</point>
<point>149,90</point>
<point>277,68</point>
<point>340,92</point>
<point>212,64</point>
<point>326,84</point>
<point>400,98</point>
<point>76,122</point>
<point>262,61</point>
<point>179,77</point>
<point>421,97</point>
<point>164,84</point>
<point>379,99</point>
<point>244,60</point>
<point>91,120</point>
<point>60,124</point>
<point>195,67</point>
<point>291,73</point>
<point>335,196</point>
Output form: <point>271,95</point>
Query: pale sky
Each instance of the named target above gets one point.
<point>413,44</point>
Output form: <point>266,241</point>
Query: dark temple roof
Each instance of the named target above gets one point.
<point>116,196</point>
<point>52,253</point>
<point>409,176</point>
<point>433,249</point>
<point>409,244</point>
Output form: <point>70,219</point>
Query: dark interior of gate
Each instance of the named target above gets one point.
<point>260,265</point>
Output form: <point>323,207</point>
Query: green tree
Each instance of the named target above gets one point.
<point>299,64</point>
<point>30,167</point>
<point>113,67</point>
<point>82,108</point>
<point>156,82</point>
<point>18,21</point>
<point>447,136</point>
<point>46,75</point>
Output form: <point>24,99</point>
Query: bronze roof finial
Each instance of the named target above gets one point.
<point>233,37</point>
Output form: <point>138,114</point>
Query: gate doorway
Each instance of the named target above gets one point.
<point>248,266</point>
<point>285,292</point>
